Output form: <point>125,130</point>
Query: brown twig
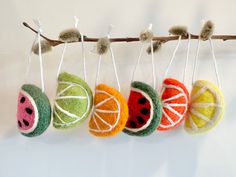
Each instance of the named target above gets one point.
<point>163,39</point>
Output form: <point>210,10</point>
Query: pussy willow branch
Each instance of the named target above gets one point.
<point>163,39</point>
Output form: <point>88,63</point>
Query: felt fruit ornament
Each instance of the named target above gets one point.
<point>174,94</point>
<point>73,101</point>
<point>110,112</point>
<point>33,108</point>
<point>144,103</point>
<point>33,111</point>
<point>206,107</point>
<point>74,98</point>
<point>144,110</point>
<point>175,100</point>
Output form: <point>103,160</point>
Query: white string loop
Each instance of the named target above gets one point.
<point>113,62</point>
<point>83,49</point>
<point>187,58</point>
<point>214,60</point>
<point>152,59</point>
<point>173,56</point>
<point>215,63</point>
<point>153,66</point>
<point>137,62</point>
<point>39,26</point>
<point>195,61</point>
<point>62,58</point>
<point>83,52</point>
<point>30,59</point>
<point>84,58</point>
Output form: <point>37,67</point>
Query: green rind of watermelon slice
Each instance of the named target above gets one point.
<point>40,110</point>
<point>143,98</point>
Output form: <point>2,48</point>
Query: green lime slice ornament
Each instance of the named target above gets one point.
<point>73,102</point>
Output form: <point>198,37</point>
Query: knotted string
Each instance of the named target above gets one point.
<point>113,62</point>
<point>152,59</point>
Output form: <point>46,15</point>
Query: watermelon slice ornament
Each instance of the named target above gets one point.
<point>144,103</point>
<point>144,110</point>
<point>33,111</point>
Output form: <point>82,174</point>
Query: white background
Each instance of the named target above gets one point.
<point>75,152</point>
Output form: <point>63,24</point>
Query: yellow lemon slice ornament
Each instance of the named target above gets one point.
<point>206,107</point>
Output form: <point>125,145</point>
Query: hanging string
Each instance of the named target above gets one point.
<point>196,60</point>
<point>153,66</point>
<point>30,59</point>
<point>98,70</point>
<point>114,66</point>
<point>83,52</point>
<point>38,24</point>
<point>113,57</point>
<point>152,59</point>
<point>215,63</point>
<point>173,56</point>
<point>113,62</point>
<point>84,59</point>
<point>83,49</point>
<point>187,58</point>
<point>62,58</point>
<point>137,62</point>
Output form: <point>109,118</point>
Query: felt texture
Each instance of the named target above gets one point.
<point>144,110</point>
<point>206,107</point>
<point>110,112</point>
<point>33,112</point>
<point>45,47</point>
<point>73,102</point>
<point>103,45</point>
<point>70,35</point>
<point>175,100</point>
<point>146,35</point>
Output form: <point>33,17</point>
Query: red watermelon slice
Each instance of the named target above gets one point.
<point>144,110</point>
<point>27,115</point>
<point>175,100</point>
<point>33,111</point>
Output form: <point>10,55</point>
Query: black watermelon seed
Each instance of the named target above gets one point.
<point>29,111</point>
<point>22,100</point>
<point>132,124</point>
<point>142,100</point>
<point>19,124</point>
<point>140,119</point>
<point>26,122</point>
<point>144,111</point>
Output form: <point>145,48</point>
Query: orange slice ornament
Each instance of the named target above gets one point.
<point>174,94</point>
<point>175,100</point>
<point>110,112</point>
